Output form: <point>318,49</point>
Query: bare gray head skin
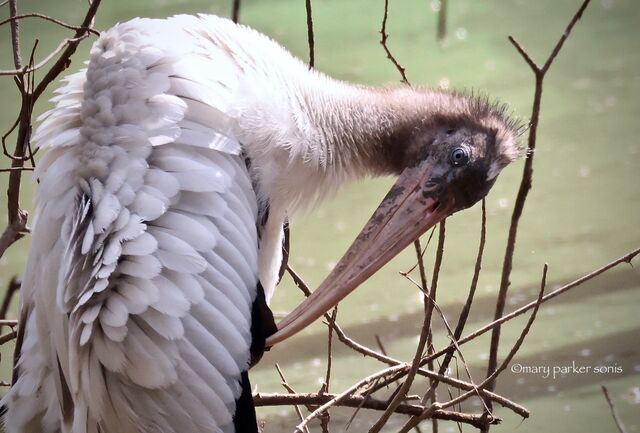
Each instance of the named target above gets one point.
<point>447,150</point>
<point>465,140</point>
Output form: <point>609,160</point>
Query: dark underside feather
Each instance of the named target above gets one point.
<point>244,420</point>
<point>262,326</point>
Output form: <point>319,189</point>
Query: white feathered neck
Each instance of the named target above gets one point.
<point>306,134</point>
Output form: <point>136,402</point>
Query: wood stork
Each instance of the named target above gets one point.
<point>171,164</point>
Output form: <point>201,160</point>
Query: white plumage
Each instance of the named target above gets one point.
<point>143,268</point>
<point>171,163</point>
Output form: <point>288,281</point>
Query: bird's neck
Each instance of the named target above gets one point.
<point>307,136</point>
<point>367,129</point>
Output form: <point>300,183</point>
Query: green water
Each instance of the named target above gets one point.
<point>581,213</point>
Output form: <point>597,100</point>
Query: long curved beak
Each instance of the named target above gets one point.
<point>412,206</point>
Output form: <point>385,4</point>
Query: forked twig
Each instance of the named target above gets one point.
<point>383,42</point>
<point>525,183</point>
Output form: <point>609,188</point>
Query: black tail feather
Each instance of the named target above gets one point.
<point>245,420</point>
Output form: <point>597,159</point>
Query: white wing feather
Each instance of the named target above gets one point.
<point>143,268</point>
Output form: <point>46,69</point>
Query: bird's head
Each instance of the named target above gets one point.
<point>445,162</point>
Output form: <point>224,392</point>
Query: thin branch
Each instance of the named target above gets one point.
<point>17,218</point>
<point>383,42</point>
<point>627,258</point>
<point>614,410</point>
<point>274,399</point>
<point>347,393</point>
<point>525,331</point>
<point>15,34</point>
<point>51,19</point>
<point>43,62</point>
<point>525,186</point>
<point>464,314</point>
<point>9,170</point>
<point>310,36</point>
<point>290,390</point>
<point>383,350</point>
<point>9,322</point>
<point>235,11</point>
<point>327,378</point>
<point>64,61</point>
<point>8,337</point>
<point>12,289</point>
<point>429,302</point>
<point>349,342</point>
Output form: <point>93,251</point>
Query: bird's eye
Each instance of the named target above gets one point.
<point>459,156</point>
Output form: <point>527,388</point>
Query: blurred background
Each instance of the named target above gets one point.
<point>582,212</point>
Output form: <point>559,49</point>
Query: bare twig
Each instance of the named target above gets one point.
<point>627,258</point>
<point>9,322</point>
<point>349,342</point>
<point>235,11</point>
<point>429,301</point>
<point>383,350</point>
<point>15,34</point>
<point>9,170</point>
<point>348,392</point>
<point>331,325</point>
<point>47,59</point>
<point>51,19</point>
<point>64,61</point>
<point>276,399</point>
<point>326,417</point>
<point>614,410</point>
<point>525,331</point>
<point>12,289</point>
<point>290,390</point>
<point>17,217</point>
<point>383,42</point>
<point>525,184</point>
<point>310,36</point>
<point>5,338</point>
<point>464,314</point>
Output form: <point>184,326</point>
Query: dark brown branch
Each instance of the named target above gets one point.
<point>269,399</point>
<point>310,36</point>
<point>8,337</point>
<point>235,11</point>
<point>614,410</point>
<point>525,186</point>
<point>383,42</point>
<point>12,289</point>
